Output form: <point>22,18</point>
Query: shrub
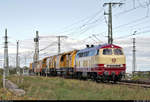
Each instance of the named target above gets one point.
<point>1,71</point>
<point>1,84</point>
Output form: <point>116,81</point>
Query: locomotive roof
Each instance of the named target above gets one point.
<point>99,47</point>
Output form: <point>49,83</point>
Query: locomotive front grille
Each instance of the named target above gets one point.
<point>114,66</point>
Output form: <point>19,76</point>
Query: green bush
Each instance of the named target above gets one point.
<point>12,71</point>
<point>1,71</point>
<point>1,84</point>
<point>140,77</point>
<point>1,77</point>
<point>135,77</point>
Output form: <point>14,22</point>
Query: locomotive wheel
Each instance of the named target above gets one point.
<point>79,75</point>
<point>75,75</point>
<point>55,73</point>
<point>84,78</point>
<point>92,78</point>
<point>64,74</point>
<point>98,80</point>
<point>115,81</point>
<point>72,76</point>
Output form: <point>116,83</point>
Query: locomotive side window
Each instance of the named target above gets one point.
<point>107,52</point>
<point>118,52</point>
<point>85,54</point>
<point>93,52</point>
<point>97,52</point>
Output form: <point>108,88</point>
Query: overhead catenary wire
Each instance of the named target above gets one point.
<point>117,27</point>
<point>84,28</point>
<point>132,22</point>
<point>87,19</point>
<point>85,24</point>
<point>97,38</point>
<point>138,33</point>
<point>122,25</point>
<point>88,28</point>
<point>48,46</point>
<point>144,6</point>
<point>140,23</point>
<point>134,8</point>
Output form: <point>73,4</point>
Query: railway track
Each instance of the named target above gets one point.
<point>139,83</point>
<point>134,84</point>
<point>145,84</point>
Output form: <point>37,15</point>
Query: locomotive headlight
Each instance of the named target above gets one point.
<point>121,65</point>
<point>105,65</point>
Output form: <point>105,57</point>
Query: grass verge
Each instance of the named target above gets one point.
<point>56,88</point>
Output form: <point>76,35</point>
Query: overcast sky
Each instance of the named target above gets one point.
<point>77,19</point>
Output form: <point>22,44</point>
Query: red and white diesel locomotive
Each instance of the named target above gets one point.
<point>101,63</point>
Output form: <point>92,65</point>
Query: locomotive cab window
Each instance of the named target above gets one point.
<point>118,52</point>
<point>107,51</point>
